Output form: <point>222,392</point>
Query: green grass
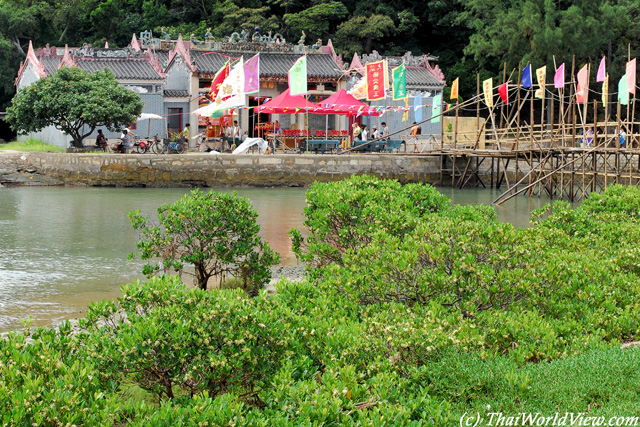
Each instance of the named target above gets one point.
<point>30,144</point>
<point>600,382</point>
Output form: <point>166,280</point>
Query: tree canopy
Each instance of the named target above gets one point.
<point>75,102</point>
<point>469,36</point>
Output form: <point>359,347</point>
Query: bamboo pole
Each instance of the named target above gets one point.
<point>564,165</point>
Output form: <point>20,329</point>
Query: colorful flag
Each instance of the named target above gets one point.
<point>503,91</point>
<point>375,80</point>
<point>252,75</point>
<point>233,85</point>
<point>527,81</point>
<point>602,72</point>
<point>487,88</point>
<point>631,76</point>
<point>359,90</point>
<point>605,90</point>
<point>541,75</point>
<point>436,110</point>
<point>417,107</point>
<point>399,82</point>
<point>558,79</point>
<point>218,79</point>
<point>298,77</point>
<point>454,89</point>
<point>583,81</point>
<point>405,115</point>
<point>623,91</point>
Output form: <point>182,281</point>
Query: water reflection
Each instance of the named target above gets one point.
<point>64,247</point>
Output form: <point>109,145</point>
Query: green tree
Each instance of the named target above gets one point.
<point>316,20</point>
<point>358,33</point>
<point>217,233</point>
<point>75,102</point>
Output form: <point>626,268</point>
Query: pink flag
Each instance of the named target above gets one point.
<point>252,75</point>
<point>583,79</point>
<point>502,91</point>
<point>558,79</point>
<point>631,76</point>
<point>602,72</point>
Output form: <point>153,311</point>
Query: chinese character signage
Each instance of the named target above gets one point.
<point>375,80</point>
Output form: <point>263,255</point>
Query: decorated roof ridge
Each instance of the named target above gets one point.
<point>67,60</point>
<point>181,49</point>
<point>436,72</point>
<point>134,43</point>
<point>356,64</point>
<point>31,57</point>
<point>329,50</point>
<point>155,62</point>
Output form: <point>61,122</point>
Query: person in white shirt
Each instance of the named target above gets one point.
<point>375,134</point>
<point>364,133</point>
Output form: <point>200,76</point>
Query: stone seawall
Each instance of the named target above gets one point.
<point>208,170</point>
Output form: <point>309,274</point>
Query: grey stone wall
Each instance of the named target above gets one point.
<point>208,170</point>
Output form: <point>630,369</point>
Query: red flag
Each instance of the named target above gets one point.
<point>503,92</point>
<point>583,81</point>
<point>218,79</point>
<point>375,75</point>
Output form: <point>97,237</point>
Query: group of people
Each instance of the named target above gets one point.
<point>362,133</point>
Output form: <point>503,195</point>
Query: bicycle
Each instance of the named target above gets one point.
<point>141,146</point>
<point>156,145</point>
<point>168,147</point>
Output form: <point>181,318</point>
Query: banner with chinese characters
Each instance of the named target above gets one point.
<point>487,88</point>
<point>375,80</point>
<point>218,79</point>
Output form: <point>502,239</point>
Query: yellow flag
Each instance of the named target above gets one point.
<point>487,87</point>
<point>405,115</point>
<point>605,90</point>
<point>454,89</point>
<point>541,74</point>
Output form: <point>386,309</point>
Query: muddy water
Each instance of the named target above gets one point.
<point>61,248</point>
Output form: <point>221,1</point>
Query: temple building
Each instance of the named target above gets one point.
<point>173,78</point>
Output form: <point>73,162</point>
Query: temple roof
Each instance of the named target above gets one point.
<point>271,64</point>
<point>122,68</point>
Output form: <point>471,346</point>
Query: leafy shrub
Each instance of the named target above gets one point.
<point>174,341</point>
<point>215,232</point>
<point>344,215</point>
<point>44,382</point>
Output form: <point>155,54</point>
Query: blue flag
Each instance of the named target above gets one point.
<point>417,108</point>
<point>526,77</point>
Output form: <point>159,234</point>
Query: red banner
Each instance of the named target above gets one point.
<point>375,80</point>
<point>218,79</point>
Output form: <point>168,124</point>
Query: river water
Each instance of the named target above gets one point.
<point>63,247</point>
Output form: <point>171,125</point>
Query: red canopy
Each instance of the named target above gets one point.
<point>288,104</point>
<point>343,103</point>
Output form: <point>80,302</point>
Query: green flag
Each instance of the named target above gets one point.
<point>399,82</point>
<point>298,77</point>
<point>436,108</point>
<point>623,91</point>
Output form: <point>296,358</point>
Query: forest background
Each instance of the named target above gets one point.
<point>468,36</point>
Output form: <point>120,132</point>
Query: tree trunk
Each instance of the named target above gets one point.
<point>64,31</point>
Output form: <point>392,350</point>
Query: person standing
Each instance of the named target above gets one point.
<point>356,132</point>
<point>414,136</point>
<point>384,131</point>
<point>236,132</point>
<point>374,133</point>
<point>364,133</point>
<point>186,134</point>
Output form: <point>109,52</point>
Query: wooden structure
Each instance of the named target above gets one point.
<point>564,151</point>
